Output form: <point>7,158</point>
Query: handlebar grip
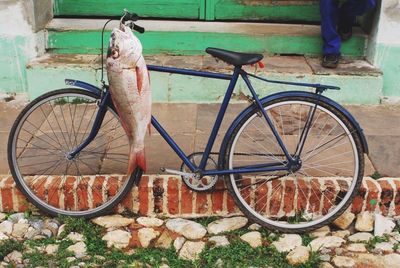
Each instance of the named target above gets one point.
<point>130,17</point>
<point>138,28</point>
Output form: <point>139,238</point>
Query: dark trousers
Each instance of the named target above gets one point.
<point>332,14</point>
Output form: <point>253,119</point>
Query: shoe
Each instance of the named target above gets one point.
<point>345,29</point>
<point>330,60</point>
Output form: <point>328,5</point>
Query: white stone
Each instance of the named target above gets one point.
<point>341,233</point>
<point>287,242</point>
<point>165,240</point>
<point>117,238</point>
<point>357,247</point>
<point>70,259</point>
<point>321,232</point>
<point>191,250</point>
<point>79,249</point>
<point>14,257</point>
<point>178,243</point>
<point>52,226</point>
<point>146,235</point>
<point>149,222</point>
<point>343,262</point>
<point>365,222</point>
<point>383,225</point>
<point>114,221</point>
<point>16,217</point>
<point>219,241</point>
<point>6,227</point>
<point>254,227</point>
<point>253,238</point>
<point>384,247</point>
<point>47,232</point>
<point>326,242</point>
<point>20,229</point>
<point>75,237</point>
<point>344,220</point>
<point>3,236</point>
<point>31,233</point>
<point>189,229</point>
<point>61,230</point>
<point>226,225</point>
<point>23,221</point>
<point>360,237</point>
<point>3,216</point>
<point>51,249</point>
<point>392,260</point>
<point>299,255</point>
<point>326,265</point>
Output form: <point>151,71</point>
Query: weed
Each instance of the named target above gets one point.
<point>375,240</point>
<point>306,239</point>
<point>376,175</point>
<point>206,220</point>
<point>9,245</point>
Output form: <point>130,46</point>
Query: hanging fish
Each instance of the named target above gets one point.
<point>130,90</point>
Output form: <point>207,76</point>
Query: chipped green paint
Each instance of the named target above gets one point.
<point>194,43</point>
<point>388,56</point>
<point>189,9</point>
<point>266,10</point>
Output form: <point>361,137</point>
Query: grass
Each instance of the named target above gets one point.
<point>376,175</point>
<point>8,246</point>
<point>237,254</point>
<point>375,240</point>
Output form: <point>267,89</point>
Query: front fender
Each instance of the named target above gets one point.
<point>279,95</point>
<point>83,85</point>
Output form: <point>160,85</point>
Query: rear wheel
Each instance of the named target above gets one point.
<point>52,125</point>
<point>332,164</point>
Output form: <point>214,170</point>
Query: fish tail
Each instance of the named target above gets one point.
<point>136,159</point>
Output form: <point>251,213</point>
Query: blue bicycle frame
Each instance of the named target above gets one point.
<point>238,71</point>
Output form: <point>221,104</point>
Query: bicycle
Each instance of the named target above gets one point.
<point>64,143</point>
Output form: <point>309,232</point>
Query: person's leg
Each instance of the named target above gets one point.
<point>353,8</point>
<point>329,18</point>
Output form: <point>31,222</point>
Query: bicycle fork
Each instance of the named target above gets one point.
<point>96,125</point>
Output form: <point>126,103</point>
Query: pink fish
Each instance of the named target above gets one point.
<point>130,91</point>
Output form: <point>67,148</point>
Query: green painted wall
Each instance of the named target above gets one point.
<point>194,43</point>
<point>388,59</point>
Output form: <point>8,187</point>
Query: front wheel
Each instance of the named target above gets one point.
<point>332,165</point>
<point>45,132</point>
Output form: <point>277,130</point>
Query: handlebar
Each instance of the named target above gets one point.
<point>131,17</point>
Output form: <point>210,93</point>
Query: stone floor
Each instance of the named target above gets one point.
<point>381,125</point>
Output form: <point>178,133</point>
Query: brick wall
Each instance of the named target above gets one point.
<point>168,196</point>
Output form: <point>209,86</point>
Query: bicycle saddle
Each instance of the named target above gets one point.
<point>234,58</point>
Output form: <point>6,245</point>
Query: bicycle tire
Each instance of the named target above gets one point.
<point>16,169</point>
<point>231,179</point>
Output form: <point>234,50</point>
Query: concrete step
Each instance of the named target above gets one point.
<point>83,36</point>
<point>361,82</point>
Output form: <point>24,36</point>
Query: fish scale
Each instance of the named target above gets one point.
<point>130,91</point>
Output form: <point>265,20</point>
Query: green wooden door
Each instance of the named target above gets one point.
<point>180,9</point>
<point>268,10</point>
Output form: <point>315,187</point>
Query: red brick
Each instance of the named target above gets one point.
<point>82,194</point>
<point>53,192</point>
<point>261,197</point>
<point>201,203</point>
<point>158,192</point>
<point>316,195</point>
<point>186,199</point>
<point>6,195</point>
<point>302,195</point>
<point>23,203</point>
<point>328,195</point>
<point>217,197</point>
<point>144,195</point>
<point>230,203</point>
<point>39,187</point>
<point>372,197</point>
<point>343,190</point>
<point>69,190</point>
<point>387,195</point>
<point>97,191</point>
<point>397,198</point>
<point>173,196</point>
<point>288,198</point>
<point>276,197</point>
<point>245,189</point>
<point>359,200</point>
